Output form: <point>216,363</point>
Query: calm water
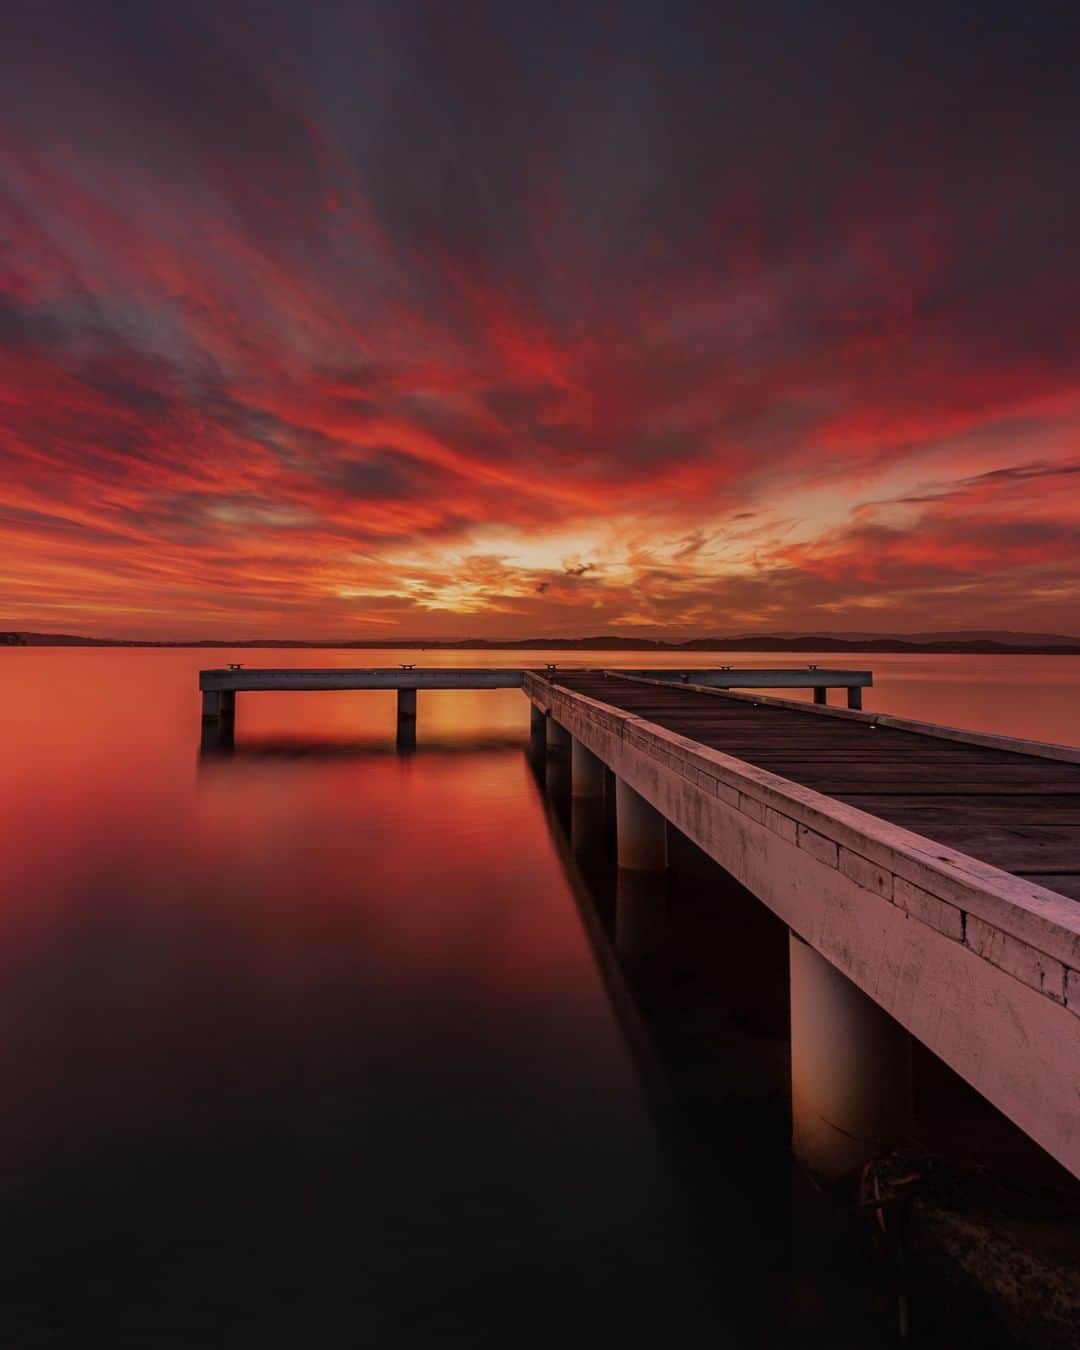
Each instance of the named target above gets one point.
<point>309,1045</point>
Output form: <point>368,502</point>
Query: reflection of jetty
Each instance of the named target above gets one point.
<point>928,877</point>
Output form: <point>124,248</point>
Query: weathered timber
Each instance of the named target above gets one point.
<point>749,677</point>
<point>248,679</point>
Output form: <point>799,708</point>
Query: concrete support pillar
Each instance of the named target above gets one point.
<point>558,740</point>
<point>218,719</point>
<point>406,721</point>
<point>587,772</point>
<point>218,703</point>
<point>610,780</point>
<point>642,831</point>
<point>854,698</point>
<point>587,835</point>
<point>537,733</point>
<point>850,1076</point>
<point>821,695</point>
<point>558,761</point>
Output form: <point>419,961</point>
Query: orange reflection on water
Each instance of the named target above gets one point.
<point>271,1006</point>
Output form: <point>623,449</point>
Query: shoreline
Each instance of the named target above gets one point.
<point>881,646</point>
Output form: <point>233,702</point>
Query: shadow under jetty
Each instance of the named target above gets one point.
<point>699,975</point>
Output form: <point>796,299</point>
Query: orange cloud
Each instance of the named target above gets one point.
<point>316,347</point>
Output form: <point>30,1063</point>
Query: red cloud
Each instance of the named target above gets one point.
<point>287,355</point>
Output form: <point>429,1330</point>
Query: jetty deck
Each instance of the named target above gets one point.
<point>928,879</point>
<point>1014,810</point>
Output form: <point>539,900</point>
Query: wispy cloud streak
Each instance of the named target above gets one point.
<point>510,319</point>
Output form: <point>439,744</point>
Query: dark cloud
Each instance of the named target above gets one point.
<point>387,474</point>
<point>287,293</point>
<point>1022,473</point>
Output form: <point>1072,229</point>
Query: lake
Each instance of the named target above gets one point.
<point>319,1044</point>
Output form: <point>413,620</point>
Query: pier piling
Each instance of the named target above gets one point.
<point>406,706</point>
<point>558,760</point>
<point>642,832</point>
<point>537,732</point>
<point>587,772</point>
<point>558,740</point>
<point>850,1086</point>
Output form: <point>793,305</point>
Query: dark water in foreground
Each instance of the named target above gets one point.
<point>310,1045</point>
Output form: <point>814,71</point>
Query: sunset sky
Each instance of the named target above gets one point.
<point>454,319</point>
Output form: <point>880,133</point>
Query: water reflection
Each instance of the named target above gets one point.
<point>697,970</point>
<point>314,748</point>
<point>310,1042</point>
<point>641,919</point>
<point>311,1047</point>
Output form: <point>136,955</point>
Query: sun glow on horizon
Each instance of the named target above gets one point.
<point>284,351</point>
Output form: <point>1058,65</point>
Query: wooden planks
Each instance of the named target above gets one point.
<point>1065,883</point>
<point>1015,811</point>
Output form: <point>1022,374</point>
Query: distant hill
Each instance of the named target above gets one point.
<point>972,642</point>
<point>1004,636</point>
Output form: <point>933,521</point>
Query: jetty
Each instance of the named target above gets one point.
<point>220,687</point>
<point>928,877</point>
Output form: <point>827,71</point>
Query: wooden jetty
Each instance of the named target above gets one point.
<point>219,688</point>
<point>1014,806</point>
<point>928,876</point>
